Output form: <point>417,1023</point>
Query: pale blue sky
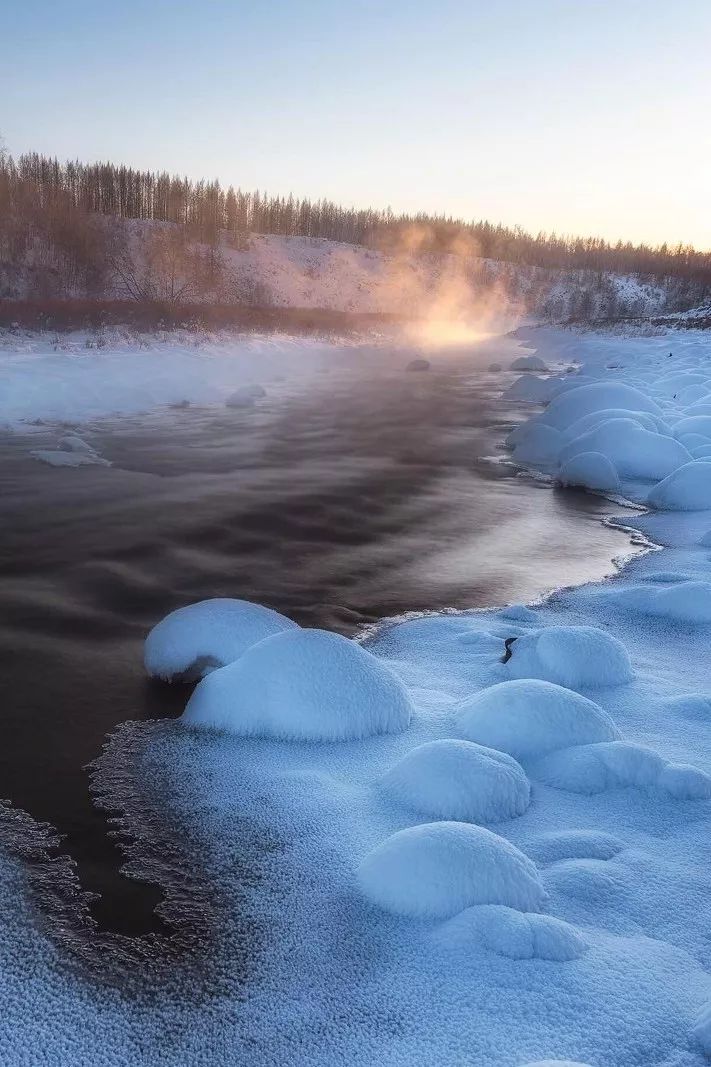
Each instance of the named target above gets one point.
<point>588,116</point>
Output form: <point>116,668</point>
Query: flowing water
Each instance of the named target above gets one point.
<point>353,499</point>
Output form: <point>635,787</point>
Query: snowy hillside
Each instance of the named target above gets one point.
<point>304,272</point>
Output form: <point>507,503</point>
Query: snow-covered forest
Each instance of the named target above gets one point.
<point>105,232</point>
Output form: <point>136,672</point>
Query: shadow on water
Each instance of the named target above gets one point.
<point>349,502</point>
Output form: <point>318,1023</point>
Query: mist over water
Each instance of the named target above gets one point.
<point>357,497</point>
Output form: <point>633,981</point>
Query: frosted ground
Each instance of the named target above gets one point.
<point>477,838</point>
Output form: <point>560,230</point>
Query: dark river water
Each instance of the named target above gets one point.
<point>356,498</point>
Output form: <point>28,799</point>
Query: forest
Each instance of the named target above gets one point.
<point>51,212</point>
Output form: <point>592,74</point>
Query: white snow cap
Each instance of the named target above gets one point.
<point>590,470</point>
<point>436,870</point>
<point>459,780</point>
<point>687,489</point>
<point>302,685</point>
<point>196,639</point>
<point>571,656</point>
<point>528,718</point>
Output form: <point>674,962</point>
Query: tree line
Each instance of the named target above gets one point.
<point>37,191</point>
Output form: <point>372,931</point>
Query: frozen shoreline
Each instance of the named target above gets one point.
<point>619,848</point>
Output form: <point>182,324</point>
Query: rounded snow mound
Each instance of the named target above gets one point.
<point>634,451</point>
<point>686,489</point>
<point>616,764</point>
<point>682,602</point>
<point>528,718</point>
<point>436,870</point>
<point>591,470</point>
<point>302,685</point>
<point>197,639</point>
<point>529,363</point>
<point>459,780</point>
<point>516,934</point>
<point>573,404</point>
<point>540,445</point>
<point>571,656</point>
<point>596,418</point>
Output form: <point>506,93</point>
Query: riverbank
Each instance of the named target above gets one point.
<point>593,949</point>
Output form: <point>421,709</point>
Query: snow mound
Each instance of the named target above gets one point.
<point>60,458</point>
<point>575,845</point>
<point>540,445</point>
<point>686,489</point>
<point>418,364</point>
<point>683,602</point>
<point>591,470</point>
<point>302,685</point>
<point>528,719</point>
<point>436,870</point>
<point>571,656</point>
<point>635,452</point>
<point>584,399</point>
<point>461,781</point>
<point>515,934</point>
<point>616,764</point>
<point>696,424</point>
<point>596,418</point>
<point>528,363</point>
<point>199,638</point>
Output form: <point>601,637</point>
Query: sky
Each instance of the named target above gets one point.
<point>583,116</point>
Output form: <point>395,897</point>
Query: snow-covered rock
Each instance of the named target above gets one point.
<point>528,718</point>
<point>541,445</point>
<point>616,764</point>
<point>515,934</point>
<point>302,685</point>
<point>438,869</point>
<point>590,470</point>
<point>194,640</point>
<point>458,780</point>
<point>686,489</point>
<point>571,656</point>
<point>572,405</point>
<point>634,451</point>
